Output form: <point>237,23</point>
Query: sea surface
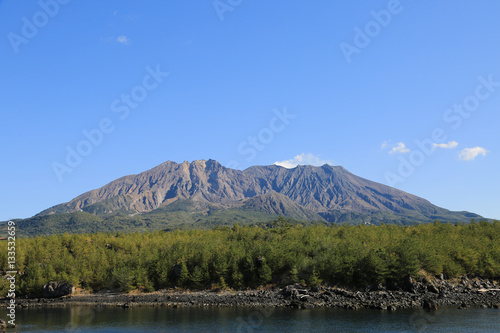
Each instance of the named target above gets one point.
<point>149,319</point>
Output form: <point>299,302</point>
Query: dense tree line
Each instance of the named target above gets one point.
<point>250,256</point>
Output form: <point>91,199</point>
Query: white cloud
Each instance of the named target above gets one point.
<point>123,40</point>
<point>303,159</point>
<point>449,145</point>
<point>399,148</point>
<point>385,144</point>
<point>469,154</point>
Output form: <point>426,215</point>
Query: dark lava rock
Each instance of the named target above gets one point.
<point>57,289</point>
<point>429,305</point>
<point>451,293</point>
<point>433,289</point>
<point>409,284</point>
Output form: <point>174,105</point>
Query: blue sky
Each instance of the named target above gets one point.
<point>405,93</point>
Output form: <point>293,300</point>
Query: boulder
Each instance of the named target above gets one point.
<point>409,285</point>
<point>292,291</point>
<point>4,325</point>
<point>57,289</point>
<point>433,289</point>
<point>429,305</point>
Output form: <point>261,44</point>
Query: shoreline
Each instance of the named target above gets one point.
<point>428,295</point>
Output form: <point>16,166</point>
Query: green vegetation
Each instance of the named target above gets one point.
<point>183,215</point>
<point>250,256</point>
<point>161,219</point>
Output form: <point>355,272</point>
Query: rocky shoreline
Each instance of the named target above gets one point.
<point>427,294</point>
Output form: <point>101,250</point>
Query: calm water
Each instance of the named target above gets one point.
<point>84,319</point>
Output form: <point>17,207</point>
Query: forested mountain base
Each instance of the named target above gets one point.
<point>251,256</point>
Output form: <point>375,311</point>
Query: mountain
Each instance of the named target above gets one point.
<point>207,192</point>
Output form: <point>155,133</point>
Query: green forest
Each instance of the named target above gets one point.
<point>250,256</point>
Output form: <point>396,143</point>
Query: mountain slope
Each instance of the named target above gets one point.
<point>206,191</point>
<point>164,184</point>
<point>278,204</point>
<point>328,189</point>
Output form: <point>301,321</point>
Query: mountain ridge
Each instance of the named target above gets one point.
<point>321,193</point>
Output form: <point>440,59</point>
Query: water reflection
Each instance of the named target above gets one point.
<point>147,319</point>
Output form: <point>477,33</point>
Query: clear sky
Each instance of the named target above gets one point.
<point>405,93</point>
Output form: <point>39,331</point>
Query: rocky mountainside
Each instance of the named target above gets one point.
<point>327,193</point>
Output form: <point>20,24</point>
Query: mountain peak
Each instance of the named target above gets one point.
<point>331,192</point>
